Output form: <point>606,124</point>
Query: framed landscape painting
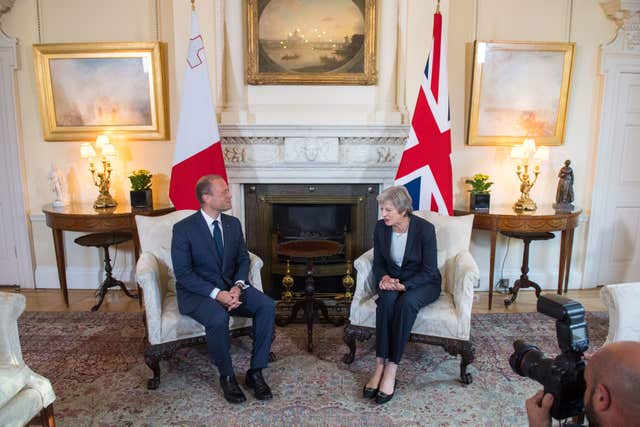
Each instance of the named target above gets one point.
<point>519,90</point>
<point>311,42</point>
<point>87,89</point>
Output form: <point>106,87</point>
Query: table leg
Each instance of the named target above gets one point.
<point>494,234</point>
<point>563,245</point>
<point>58,244</point>
<point>569,250</point>
<point>309,290</point>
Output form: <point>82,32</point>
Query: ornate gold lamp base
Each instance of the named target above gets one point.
<point>524,204</point>
<point>104,200</point>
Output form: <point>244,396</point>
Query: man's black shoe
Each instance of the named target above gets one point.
<point>231,389</point>
<point>255,381</point>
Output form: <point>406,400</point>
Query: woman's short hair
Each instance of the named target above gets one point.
<point>399,197</point>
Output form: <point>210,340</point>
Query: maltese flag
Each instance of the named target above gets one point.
<point>198,150</point>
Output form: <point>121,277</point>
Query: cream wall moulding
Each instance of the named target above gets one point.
<point>520,90</point>
<point>331,42</point>
<point>87,89</point>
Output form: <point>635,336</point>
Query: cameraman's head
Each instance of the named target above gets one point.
<point>612,390</point>
<point>612,376</point>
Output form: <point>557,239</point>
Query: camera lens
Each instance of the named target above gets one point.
<point>523,356</point>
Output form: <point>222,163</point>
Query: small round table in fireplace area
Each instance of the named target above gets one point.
<point>308,250</point>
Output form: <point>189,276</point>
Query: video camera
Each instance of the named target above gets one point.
<point>562,376</point>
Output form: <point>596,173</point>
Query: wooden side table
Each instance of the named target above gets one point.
<point>309,250</point>
<point>83,217</point>
<point>544,219</point>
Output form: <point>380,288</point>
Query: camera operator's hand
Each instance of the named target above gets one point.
<point>539,409</point>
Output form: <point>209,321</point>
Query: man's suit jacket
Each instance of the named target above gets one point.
<point>420,262</point>
<point>196,262</point>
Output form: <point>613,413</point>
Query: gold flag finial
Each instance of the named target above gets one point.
<point>438,7</point>
<point>193,5</point>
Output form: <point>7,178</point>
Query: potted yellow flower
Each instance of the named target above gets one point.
<point>140,194</point>
<point>479,197</point>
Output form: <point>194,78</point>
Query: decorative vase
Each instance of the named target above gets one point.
<point>141,199</point>
<point>479,201</point>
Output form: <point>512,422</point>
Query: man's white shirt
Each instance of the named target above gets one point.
<point>209,222</point>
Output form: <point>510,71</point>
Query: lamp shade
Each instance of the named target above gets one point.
<point>102,140</point>
<point>87,151</point>
<point>529,146</point>
<point>108,149</point>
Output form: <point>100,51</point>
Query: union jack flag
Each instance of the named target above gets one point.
<point>425,167</point>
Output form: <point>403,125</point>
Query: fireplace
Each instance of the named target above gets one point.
<point>279,213</point>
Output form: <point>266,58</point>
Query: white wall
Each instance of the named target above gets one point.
<point>404,37</point>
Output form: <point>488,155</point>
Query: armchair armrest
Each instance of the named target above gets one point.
<point>465,276</point>
<point>148,277</point>
<point>11,307</point>
<point>255,266</point>
<point>365,286</point>
<point>624,319</point>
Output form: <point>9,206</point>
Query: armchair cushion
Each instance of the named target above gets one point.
<point>453,234</point>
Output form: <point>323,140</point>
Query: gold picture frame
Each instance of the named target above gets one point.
<point>322,46</point>
<point>519,90</point>
<point>87,89</point>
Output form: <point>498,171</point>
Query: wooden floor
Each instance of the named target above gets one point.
<point>116,301</point>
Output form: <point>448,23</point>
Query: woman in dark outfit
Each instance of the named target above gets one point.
<point>405,267</point>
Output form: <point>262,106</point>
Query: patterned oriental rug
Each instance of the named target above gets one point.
<point>95,362</point>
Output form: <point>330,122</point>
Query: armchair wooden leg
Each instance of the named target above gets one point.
<point>152,359</point>
<point>46,417</point>
<point>349,339</point>
<point>467,353</point>
<point>350,335</point>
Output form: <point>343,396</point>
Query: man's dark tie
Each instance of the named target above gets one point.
<point>217,237</point>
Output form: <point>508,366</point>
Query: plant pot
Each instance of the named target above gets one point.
<point>479,202</point>
<point>141,198</point>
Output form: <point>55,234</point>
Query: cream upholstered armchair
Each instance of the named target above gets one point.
<point>447,321</point>
<point>23,393</point>
<point>167,329</point>
<point>622,301</point>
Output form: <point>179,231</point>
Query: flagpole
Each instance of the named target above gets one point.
<point>193,5</point>
<point>437,6</point>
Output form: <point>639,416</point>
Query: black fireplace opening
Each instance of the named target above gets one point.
<point>313,222</point>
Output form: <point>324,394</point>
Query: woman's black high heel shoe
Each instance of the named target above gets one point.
<point>369,393</point>
<point>384,397</point>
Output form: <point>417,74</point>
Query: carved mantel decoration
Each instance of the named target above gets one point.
<point>5,6</point>
<point>626,15</point>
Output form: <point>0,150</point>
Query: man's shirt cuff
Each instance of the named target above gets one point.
<point>244,286</point>
<point>214,293</point>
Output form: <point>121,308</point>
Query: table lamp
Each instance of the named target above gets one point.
<point>102,179</point>
<point>525,154</point>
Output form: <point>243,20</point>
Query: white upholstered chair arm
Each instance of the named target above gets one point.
<point>365,286</point>
<point>256,264</point>
<point>11,307</point>
<point>622,301</point>
<point>465,277</point>
<point>148,277</point>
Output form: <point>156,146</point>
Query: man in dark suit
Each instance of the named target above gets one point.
<point>211,264</point>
